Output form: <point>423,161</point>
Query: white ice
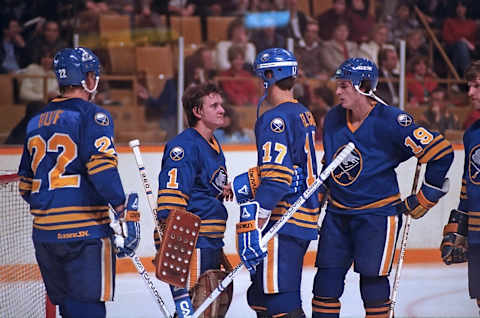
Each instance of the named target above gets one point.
<point>425,291</point>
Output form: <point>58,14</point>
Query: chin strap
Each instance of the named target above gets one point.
<point>370,94</point>
<point>93,91</point>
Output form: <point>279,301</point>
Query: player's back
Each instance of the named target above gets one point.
<point>57,160</point>
<point>285,138</point>
<point>471,181</point>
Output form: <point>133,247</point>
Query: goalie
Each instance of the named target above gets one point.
<point>193,178</point>
<point>462,233</point>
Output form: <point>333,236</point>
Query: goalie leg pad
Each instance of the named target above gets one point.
<point>172,261</point>
<point>205,285</point>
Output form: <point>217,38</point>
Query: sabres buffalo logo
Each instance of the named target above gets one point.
<point>219,179</point>
<point>404,120</point>
<point>102,119</point>
<point>474,165</point>
<point>277,125</point>
<point>176,154</point>
<point>349,170</point>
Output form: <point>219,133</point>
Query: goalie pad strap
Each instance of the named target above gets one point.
<point>132,216</point>
<point>248,226</point>
<point>450,228</point>
<point>172,262</point>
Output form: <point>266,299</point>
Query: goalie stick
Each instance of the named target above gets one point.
<point>403,247</point>
<point>276,227</point>
<point>134,144</point>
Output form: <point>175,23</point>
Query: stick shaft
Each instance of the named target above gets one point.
<point>148,281</point>
<point>153,207</point>
<point>403,246</point>
<point>276,227</point>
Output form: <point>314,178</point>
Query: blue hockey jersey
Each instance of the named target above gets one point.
<point>193,175</point>
<point>69,171</point>
<point>366,182</point>
<point>285,137</point>
<point>470,193</point>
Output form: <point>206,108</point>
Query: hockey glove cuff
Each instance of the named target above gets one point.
<point>454,245</point>
<point>126,228</point>
<point>249,236</point>
<point>417,205</point>
<point>245,185</point>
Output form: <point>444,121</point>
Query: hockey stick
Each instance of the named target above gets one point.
<point>276,227</point>
<point>403,247</point>
<point>134,144</point>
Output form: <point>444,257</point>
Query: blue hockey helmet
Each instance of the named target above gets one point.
<point>357,70</point>
<point>72,65</point>
<point>280,62</point>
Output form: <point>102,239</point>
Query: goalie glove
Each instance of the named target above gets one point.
<point>454,244</point>
<point>126,228</point>
<point>249,236</point>
<point>245,185</point>
<point>417,205</point>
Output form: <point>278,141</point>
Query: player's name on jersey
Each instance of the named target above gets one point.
<point>307,119</point>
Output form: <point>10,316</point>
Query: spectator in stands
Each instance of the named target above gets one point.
<point>401,24</point>
<point>330,18</point>
<point>438,115</point>
<point>378,41</point>
<point>236,7</point>
<point>184,8</point>
<point>236,34</point>
<point>32,88</point>
<point>387,88</point>
<point>310,56</point>
<point>296,25</point>
<point>49,37</point>
<point>12,48</point>
<point>241,87</point>
<point>420,81</point>
<point>18,133</point>
<point>231,132</point>
<point>322,98</point>
<point>165,104</point>
<point>201,66</point>
<point>436,11</point>
<point>268,37</point>
<point>150,13</point>
<point>361,21</point>
<point>338,49</point>
<point>416,44</point>
<point>459,33</point>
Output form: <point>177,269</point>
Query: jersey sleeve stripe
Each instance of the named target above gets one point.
<point>286,205</point>
<point>70,208</point>
<point>71,226</point>
<point>70,217</point>
<point>276,167</point>
<point>424,201</point>
<point>443,154</point>
<point>102,168</point>
<point>176,192</point>
<point>431,152</point>
<point>170,199</point>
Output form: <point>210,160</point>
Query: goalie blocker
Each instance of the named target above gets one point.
<point>178,241</point>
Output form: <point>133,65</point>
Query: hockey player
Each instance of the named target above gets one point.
<point>194,177</point>
<point>69,177</point>
<point>464,223</point>
<point>364,211</point>
<point>285,139</point>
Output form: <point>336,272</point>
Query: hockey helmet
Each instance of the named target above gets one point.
<point>280,62</point>
<point>358,70</point>
<point>72,65</point>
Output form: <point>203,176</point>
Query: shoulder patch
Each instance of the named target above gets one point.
<point>102,119</point>
<point>177,153</point>
<point>404,120</point>
<point>474,165</point>
<point>277,125</point>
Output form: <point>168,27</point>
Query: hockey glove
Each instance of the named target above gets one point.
<point>245,185</point>
<point>249,236</point>
<point>126,228</point>
<point>418,204</point>
<point>454,244</point>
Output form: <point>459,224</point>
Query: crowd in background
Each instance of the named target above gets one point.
<point>33,30</point>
